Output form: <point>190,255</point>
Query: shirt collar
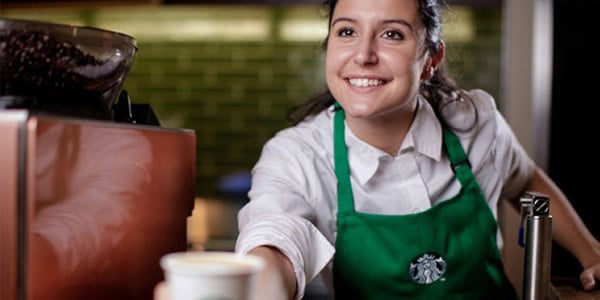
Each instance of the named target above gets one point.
<point>424,137</point>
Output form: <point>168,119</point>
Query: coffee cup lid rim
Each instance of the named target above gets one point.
<point>169,263</point>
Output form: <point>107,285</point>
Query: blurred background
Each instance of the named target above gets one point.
<point>231,70</point>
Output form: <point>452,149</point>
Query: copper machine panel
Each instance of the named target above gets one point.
<point>87,208</point>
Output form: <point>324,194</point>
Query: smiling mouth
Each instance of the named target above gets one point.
<point>365,82</point>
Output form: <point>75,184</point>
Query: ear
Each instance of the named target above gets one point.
<point>433,61</point>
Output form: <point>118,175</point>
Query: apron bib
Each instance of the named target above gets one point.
<point>446,252</point>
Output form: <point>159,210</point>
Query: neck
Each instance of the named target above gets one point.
<point>385,132</point>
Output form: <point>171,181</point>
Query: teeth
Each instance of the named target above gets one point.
<point>363,82</point>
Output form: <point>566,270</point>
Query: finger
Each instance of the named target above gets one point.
<point>161,291</point>
<point>587,279</point>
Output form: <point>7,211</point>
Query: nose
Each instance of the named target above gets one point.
<point>366,52</point>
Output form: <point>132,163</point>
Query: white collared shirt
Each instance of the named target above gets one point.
<point>293,199</point>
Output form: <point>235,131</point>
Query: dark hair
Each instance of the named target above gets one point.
<point>441,87</point>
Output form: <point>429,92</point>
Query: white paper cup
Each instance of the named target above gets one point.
<point>211,275</point>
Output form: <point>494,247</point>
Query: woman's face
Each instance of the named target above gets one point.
<point>375,57</point>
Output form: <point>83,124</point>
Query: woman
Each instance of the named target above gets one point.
<point>389,183</point>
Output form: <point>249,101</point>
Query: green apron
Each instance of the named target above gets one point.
<point>446,252</point>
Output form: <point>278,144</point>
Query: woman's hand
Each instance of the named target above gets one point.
<point>589,277</point>
<point>278,280</point>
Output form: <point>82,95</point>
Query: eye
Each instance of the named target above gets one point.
<point>345,31</point>
<point>393,35</point>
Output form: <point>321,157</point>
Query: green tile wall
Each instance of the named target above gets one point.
<point>235,95</point>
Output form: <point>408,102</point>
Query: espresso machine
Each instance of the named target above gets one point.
<point>93,190</point>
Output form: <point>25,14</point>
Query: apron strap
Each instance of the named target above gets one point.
<point>342,167</point>
<point>458,160</point>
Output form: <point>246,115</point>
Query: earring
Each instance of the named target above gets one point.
<point>431,70</point>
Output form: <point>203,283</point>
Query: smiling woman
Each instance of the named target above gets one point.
<point>373,67</point>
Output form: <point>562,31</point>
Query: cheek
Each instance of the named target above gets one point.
<point>332,80</point>
<point>329,73</point>
<point>332,59</point>
<point>401,62</point>
<point>333,64</point>
<point>333,69</point>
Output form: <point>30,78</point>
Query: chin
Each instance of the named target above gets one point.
<point>359,111</point>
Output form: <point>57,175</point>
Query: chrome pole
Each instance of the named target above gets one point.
<point>535,213</point>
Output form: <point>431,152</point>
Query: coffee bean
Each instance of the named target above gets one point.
<point>37,65</point>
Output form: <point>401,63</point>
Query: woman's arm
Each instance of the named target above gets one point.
<point>569,231</point>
